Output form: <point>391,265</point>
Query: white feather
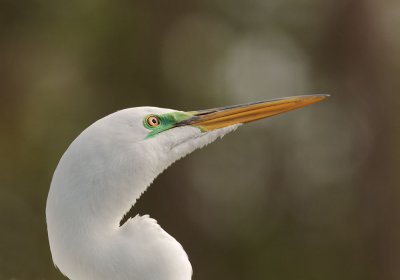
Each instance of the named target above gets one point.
<point>103,172</point>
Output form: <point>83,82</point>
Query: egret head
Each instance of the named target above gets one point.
<point>139,143</point>
<point>151,137</point>
<point>157,137</point>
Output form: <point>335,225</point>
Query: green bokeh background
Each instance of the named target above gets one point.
<point>313,194</point>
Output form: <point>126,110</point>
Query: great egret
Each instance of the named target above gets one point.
<point>107,168</point>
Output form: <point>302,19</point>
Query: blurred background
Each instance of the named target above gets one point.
<point>312,194</point>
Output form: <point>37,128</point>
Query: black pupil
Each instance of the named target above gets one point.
<point>154,120</point>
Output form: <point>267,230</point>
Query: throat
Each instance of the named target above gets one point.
<point>132,212</point>
<point>140,203</point>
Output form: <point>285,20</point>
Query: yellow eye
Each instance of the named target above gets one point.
<point>153,121</point>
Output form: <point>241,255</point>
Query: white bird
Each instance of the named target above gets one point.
<point>107,168</point>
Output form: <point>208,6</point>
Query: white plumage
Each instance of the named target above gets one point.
<point>102,173</point>
<point>107,168</point>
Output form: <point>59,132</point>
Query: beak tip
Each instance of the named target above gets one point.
<point>325,95</point>
<point>319,97</point>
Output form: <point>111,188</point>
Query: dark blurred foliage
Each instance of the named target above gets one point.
<point>313,194</point>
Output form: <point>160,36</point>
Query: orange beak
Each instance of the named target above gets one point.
<point>211,119</point>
